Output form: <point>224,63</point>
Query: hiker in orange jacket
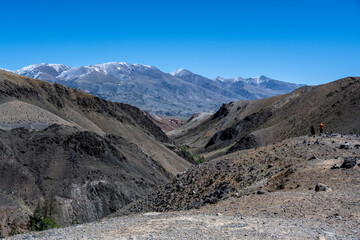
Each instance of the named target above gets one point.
<point>321,127</point>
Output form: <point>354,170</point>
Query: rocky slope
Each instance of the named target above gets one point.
<point>283,170</point>
<point>97,157</point>
<point>166,124</point>
<point>263,193</point>
<point>247,124</point>
<point>180,93</point>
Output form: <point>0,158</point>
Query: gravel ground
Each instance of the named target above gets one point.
<point>186,225</point>
<point>192,225</point>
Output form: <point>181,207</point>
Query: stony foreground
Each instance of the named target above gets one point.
<point>190,225</point>
<point>283,206</point>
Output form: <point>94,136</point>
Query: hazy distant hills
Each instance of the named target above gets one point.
<point>146,87</point>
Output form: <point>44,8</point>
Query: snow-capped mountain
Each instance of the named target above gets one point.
<point>43,71</point>
<point>240,88</point>
<point>201,81</point>
<point>178,93</point>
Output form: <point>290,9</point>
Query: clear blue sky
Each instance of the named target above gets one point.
<point>308,41</point>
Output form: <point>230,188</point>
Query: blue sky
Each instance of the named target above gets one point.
<point>308,41</point>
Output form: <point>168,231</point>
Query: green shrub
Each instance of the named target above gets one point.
<point>14,228</point>
<point>201,159</point>
<point>185,148</point>
<point>187,151</point>
<point>48,223</point>
<point>42,216</point>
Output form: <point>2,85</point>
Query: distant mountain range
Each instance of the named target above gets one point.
<point>179,93</point>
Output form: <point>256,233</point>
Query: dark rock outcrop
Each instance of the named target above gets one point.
<point>221,113</point>
<point>349,162</point>
<point>246,142</point>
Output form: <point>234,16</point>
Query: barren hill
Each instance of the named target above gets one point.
<point>99,156</point>
<point>247,124</point>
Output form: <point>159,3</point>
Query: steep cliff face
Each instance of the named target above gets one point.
<point>77,154</point>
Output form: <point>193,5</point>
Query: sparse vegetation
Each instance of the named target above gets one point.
<point>42,219</point>
<point>201,159</point>
<point>14,228</point>
<point>186,150</point>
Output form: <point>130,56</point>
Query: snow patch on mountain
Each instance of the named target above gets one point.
<point>116,70</point>
<point>181,72</point>
<point>252,80</point>
<point>43,71</point>
<point>179,93</point>
<point>6,70</point>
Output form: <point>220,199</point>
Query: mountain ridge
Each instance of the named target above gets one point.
<point>178,93</point>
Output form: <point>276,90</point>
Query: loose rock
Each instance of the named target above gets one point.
<point>349,162</point>
<point>322,187</point>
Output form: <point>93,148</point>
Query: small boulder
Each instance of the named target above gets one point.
<point>346,145</point>
<point>335,166</point>
<point>180,185</point>
<point>322,187</point>
<point>349,162</point>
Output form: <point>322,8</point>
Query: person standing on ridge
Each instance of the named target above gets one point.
<point>312,130</point>
<point>321,127</point>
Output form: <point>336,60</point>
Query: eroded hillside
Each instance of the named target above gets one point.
<point>98,157</point>
<point>284,171</point>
